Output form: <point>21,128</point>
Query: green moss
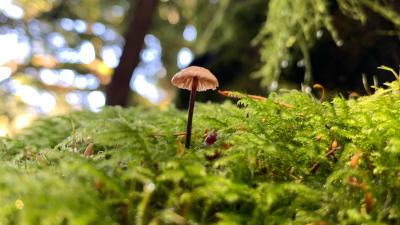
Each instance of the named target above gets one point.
<point>288,159</point>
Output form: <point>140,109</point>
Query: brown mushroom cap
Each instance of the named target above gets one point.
<point>184,78</point>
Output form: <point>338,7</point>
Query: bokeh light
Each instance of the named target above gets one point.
<point>110,55</point>
<point>73,98</point>
<point>67,55</point>
<point>190,33</point>
<point>13,47</point>
<point>67,24</point>
<point>48,76</point>
<point>66,77</point>
<point>80,26</point>
<point>47,102</point>
<point>98,29</point>
<point>11,10</point>
<point>5,73</point>
<point>87,52</point>
<point>145,88</point>
<point>22,121</point>
<point>3,132</point>
<point>80,82</point>
<point>96,100</point>
<point>149,70</point>
<point>56,40</point>
<point>185,57</point>
<point>27,94</point>
<point>53,65</point>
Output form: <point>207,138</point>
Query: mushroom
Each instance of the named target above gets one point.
<point>194,79</point>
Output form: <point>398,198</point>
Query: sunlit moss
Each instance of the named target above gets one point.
<point>284,159</point>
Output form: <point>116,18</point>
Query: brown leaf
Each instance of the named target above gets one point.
<point>89,150</point>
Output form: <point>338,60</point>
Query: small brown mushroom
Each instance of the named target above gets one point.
<point>194,79</point>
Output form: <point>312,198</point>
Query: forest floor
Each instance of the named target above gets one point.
<point>284,159</point>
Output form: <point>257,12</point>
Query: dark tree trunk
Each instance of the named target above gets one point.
<point>118,90</point>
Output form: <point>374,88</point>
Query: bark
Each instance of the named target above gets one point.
<point>118,90</point>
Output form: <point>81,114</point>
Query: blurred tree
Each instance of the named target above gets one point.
<point>118,90</point>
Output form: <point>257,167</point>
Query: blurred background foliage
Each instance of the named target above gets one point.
<point>58,55</point>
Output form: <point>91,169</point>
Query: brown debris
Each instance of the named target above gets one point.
<point>89,150</point>
<point>355,158</point>
<point>315,168</point>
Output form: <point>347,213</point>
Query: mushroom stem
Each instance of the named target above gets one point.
<point>190,112</point>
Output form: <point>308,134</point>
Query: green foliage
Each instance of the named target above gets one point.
<point>294,26</point>
<point>285,159</point>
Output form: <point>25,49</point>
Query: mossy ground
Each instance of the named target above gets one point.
<point>288,159</point>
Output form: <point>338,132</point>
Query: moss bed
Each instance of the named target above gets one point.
<point>287,159</point>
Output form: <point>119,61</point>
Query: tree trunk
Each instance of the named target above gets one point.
<point>118,90</point>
